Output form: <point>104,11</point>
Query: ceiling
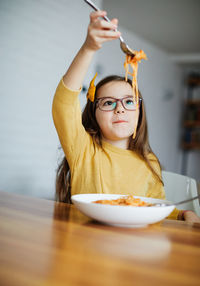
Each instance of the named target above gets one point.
<point>172,25</point>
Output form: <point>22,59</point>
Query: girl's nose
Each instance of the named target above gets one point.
<point>119,108</point>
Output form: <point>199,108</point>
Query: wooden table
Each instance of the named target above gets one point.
<point>47,243</point>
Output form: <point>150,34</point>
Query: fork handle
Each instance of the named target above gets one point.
<point>91,4</point>
<point>188,200</point>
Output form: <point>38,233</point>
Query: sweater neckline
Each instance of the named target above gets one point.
<point>112,148</point>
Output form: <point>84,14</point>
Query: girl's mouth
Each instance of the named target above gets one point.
<point>120,121</point>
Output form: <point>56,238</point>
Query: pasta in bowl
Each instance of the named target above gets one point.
<point>122,215</point>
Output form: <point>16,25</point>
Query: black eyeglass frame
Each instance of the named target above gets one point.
<point>116,100</point>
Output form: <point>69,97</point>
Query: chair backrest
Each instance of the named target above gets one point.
<point>178,187</point>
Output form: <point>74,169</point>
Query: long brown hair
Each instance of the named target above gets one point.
<point>140,144</point>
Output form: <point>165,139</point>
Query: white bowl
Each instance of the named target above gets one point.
<point>123,216</point>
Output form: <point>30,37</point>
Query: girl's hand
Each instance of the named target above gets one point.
<point>190,216</point>
<point>100,31</point>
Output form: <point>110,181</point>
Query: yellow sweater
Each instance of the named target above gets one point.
<point>100,170</point>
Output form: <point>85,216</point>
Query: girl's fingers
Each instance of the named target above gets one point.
<point>102,24</point>
<point>95,15</point>
<point>114,21</point>
<point>107,34</point>
<point>100,30</point>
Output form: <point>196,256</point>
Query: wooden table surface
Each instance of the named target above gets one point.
<point>47,243</point>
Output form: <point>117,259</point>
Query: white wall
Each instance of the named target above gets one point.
<point>38,41</point>
<point>160,82</point>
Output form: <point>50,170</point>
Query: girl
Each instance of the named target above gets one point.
<point>101,155</point>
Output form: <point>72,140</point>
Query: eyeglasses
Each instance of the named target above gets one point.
<point>110,103</point>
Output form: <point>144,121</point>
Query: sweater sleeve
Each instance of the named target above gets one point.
<point>68,121</point>
<point>174,214</point>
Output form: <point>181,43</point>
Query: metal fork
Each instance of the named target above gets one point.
<point>125,48</point>
<point>175,204</point>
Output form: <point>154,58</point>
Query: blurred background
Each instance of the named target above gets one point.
<point>39,39</point>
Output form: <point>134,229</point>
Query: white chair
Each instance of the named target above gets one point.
<point>178,187</point>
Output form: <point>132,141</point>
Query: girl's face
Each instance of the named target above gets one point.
<point>118,124</point>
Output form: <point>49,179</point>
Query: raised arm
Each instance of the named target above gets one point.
<point>99,31</point>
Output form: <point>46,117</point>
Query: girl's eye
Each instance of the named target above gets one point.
<point>108,102</point>
<point>129,102</point>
